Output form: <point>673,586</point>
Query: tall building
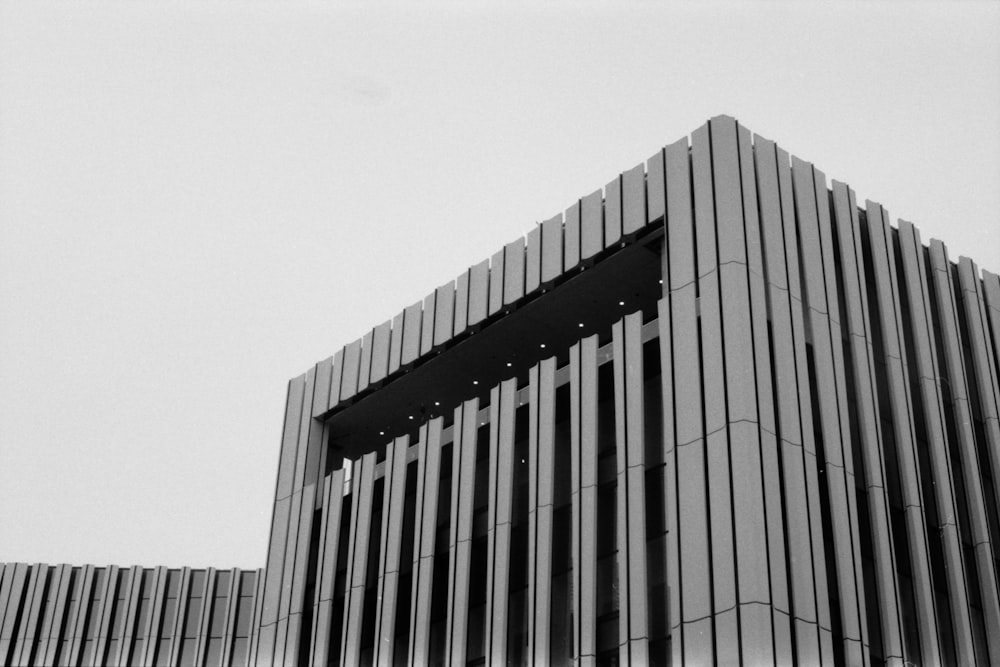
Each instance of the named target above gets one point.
<point>714,412</point>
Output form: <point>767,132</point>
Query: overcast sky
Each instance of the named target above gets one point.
<point>199,201</point>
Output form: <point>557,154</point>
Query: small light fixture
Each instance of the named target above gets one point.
<point>508,364</point>
<point>581,325</point>
<point>661,281</point>
<point>411,416</point>
<point>542,346</point>
<point>437,402</point>
<point>475,382</point>
<point>381,432</point>
<point>621,303</point>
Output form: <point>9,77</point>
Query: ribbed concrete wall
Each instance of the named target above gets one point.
<point>784,449</point>
<point>790,457</point>
<point>65,615</point>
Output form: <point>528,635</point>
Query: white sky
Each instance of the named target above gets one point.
<point>199,201</point>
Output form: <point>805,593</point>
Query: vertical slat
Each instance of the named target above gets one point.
<point>6,607</point>
<point>541,444</point>
<point>336,375</point>
<point>205,615</point>
<point>255,627</point>
<point>104,612</point>
<point>671,499</point>
<point>232,606</point>
<point>363,480</point>
<point>411,334</point>
<point>324,372</point>
<point>591,225</point>
<point>656,207</point>
<point>352,370</point>
<point>427,325</point>
<point>289,439</point>
<point>293,594</point>
<point>461,303</point>
<point>925,353</point>
<point>381,340</point>
<point>444,313</point>
<point>902,419</point>
<point>533,260</point>
<point>513,271</point>
<point>279,633</point>
<point>333,499</point>
<point>634,200</point>
<point>180,617</point>
<point>75,622</point>
<point>479,292</point>
<point>392,528</point>
<point>312,448</point>
<point>842,483</point>
<point>633,622</point>
<point>572,241</point>
<point>421,449</point>
<point>154,619</point>
<point>326,568</point>
<point>365,367</point>
<point>133,599</point>
<point>552,248</point>
<point>656,193</point>
<point>257,602</point>
<point>428,475</point>
<point>691,624</point>
<point>395,343</point>
<point>583,439</point>
<point>496,282</point>
<point>972,467</point>
<point>502,403</point>
<point>532,573</point>
<point>613,212</point>
<point>861,346</point>
<point>460,545</point>
<point>6,575</point>
<point>134,654</point>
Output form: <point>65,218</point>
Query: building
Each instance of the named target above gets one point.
<point>714,412</point>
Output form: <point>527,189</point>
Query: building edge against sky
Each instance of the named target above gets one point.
<point>714,411</point>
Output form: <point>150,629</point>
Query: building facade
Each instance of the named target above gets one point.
<point>714,412</point>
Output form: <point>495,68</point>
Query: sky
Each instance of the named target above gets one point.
<point>198,201</point>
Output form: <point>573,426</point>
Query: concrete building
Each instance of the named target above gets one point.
<point>715,412</point>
